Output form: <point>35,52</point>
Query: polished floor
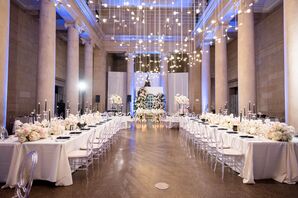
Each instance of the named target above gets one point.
<point>146,155</point>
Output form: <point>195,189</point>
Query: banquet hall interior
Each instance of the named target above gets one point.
<point>148,98</point>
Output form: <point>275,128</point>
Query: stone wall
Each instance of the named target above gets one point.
<point>232,62</point>
<point>100,77</point>
<point>23,57</point>
<point>23,53</point>
<point>61,61</point>
<point>269,50</point>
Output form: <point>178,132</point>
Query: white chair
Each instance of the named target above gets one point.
<point>81,159</point>
<point>97,146</point>
<point>227,156</point>
<point>25,175</point>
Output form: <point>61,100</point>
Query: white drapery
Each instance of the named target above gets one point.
<point>117,86</point>
<point>177,84</point>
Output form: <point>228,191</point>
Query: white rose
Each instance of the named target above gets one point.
<point>33,136</point>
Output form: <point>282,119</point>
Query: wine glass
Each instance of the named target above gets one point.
<point>3,133</point>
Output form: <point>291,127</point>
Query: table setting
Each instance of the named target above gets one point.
<point>52,140</point>
<point>270,149</point>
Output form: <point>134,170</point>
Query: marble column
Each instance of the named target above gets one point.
<point>221,77</point>
<point>72,68</point>
<point>88,71</point>
<point>164,77</point>
<point>4,50</point>
<point>130,81</point>
<point>246,60</point>
<point>206,78</point>
<point>291,61</point>
<point>47,54</point>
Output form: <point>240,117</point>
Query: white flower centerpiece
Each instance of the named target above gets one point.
<point>280,132</point>
<point>70,123</point>
<point>31,132</point>
<point>183,103</point>
<point>116,101</point>
<point>271,130</point>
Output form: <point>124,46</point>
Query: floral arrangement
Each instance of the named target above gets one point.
<point>280,132</point>
<point>156,113</point>
<point>159,101</point>
<point>181,99</point>
<point>272,130</point>
<point>31,132</point>
<point>71,122</point>
<point>141,99</point>
<point>116,99</point>
<point>253,127</point>
<point>90,119</point>
<point>41,130</point>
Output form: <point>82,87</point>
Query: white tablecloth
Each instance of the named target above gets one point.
<point>53,164</point>
<point>263,158</point>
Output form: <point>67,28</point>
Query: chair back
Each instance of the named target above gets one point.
<point>90,143</point>
<point>25,175</point>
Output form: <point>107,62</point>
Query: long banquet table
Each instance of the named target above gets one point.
<point>262,158</point>
<point>53,164</point>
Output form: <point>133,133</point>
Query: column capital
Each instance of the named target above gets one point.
<point>75,25</point>
<point>87,41</point>
<point>205,42</point>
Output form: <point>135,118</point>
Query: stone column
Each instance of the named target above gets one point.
<point>88,71</point>
<point>246,59</point>
<point>206,78</point>
<point>291,61</point>
<point>72,70</point>
<point>4,50</point>
<point>221,77</point>
<point>130,81</point>
<point>47,54</point>
<point>164,77</point>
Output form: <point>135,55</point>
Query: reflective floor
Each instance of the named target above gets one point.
<point>146,155</point>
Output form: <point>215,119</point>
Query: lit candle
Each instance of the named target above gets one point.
<point>45,104</point>
<point>38,108</point>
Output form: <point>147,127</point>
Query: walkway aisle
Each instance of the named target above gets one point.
<point>147,155</point>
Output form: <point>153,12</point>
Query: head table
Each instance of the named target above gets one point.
<point>53,164</point>
<point>262,158</point>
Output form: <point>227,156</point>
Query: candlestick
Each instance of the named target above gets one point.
<point>45,104</point>
<point>32,116</point>
<point>38,108</point>
<point>249,108</point>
